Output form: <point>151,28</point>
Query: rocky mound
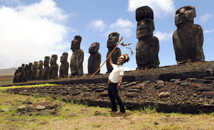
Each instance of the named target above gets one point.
<point>40,108</point>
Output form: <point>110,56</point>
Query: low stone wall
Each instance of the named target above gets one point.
<point>185,88</point>
<point>186,96</point>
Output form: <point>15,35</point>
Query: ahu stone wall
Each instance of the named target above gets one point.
<point>187,96</point>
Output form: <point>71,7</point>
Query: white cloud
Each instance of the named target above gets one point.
<point>162,36</point>
<point>97,25</point>
<point>122,26</point>
<point>209,31</point>
<point>161,8</point>
<point>31,32</point>
<point>205,18</point>
<point>128,69</point>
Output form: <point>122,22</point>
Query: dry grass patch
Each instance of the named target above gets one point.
<point>81,117</point>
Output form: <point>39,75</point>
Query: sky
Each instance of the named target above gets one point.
<point>33,29</point>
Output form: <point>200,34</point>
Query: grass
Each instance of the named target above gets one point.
<point>81,117</point>
<point>26,86</point>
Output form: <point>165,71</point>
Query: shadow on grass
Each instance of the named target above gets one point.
<point>114,114</point>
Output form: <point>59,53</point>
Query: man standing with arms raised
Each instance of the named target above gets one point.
<point>114,83</point>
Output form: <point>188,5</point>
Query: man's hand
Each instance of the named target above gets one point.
<point>118,86</point>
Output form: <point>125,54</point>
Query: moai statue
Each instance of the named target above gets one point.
<point>22,72</point>
<point>27,72</point>
<point>31,71</point>
<point>188,38</point>
<point>54,67</point>
<point>113,38</point>
<point>64,65</point>
<point>40,70</point>
<point>46,70</point>
<point>35,67</point>
<point>147,47</point>
<point>19,75</point>
<point>77,58</point>
<point>94,59</point>
<point>16,76</point>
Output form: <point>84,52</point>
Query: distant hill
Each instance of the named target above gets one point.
<point>8,71</point>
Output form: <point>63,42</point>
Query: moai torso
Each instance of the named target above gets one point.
<point>113,38</point>
<point>77,58</point>
<point>94,59</point>
<point>16,76</point>
<point>147,48</point>
<point>64,65</point>
<point>35,70</point>
<point>46,70</point>
<point>31,71</point>
<point>54,67</point>
<point>27,72</point>
<point>188,38</point>
<point>40,69</point>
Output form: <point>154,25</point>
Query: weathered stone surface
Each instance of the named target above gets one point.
<point>54,67</point>
<point>46,70</point>
<point>35,70</point>
<point>21,108</point>
<point>39,107</point>
<point>188,38</point>
<point>163,90</point>
<point>203,89</point>
<point>64,65</point>
<point>132,94</point>
<point>77,58</point>
<point>208,94</point>
<point>164,94</point>
<point>16,78</point>
<point>207,81</point>
<point>40,70</point>
<point>191,79</point>
<point>113,38</point>
<point>159,85</point>
<point>147,48</point>
<point>143,13</point>
<point>208,78</point>
<point>104,94</point>
<point>94,59</point>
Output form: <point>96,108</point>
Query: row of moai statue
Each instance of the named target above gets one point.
<point>187,42</point>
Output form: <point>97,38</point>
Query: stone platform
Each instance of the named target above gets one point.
<point>187,89</point>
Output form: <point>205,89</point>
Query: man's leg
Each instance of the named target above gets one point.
<point>111,97</point>
<point>117,97</point>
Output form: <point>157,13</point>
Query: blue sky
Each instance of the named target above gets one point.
<point>33,29</point>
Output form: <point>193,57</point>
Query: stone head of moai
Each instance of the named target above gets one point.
<point>30,64</point>
<point>75,43</point>
<point>35,65</point>
<point>185,14</point>
<point>46,61</point>
<point>113,38</point>
<point>145,24</point>
<point>40,64</point>
<point>94,47</point>
<point>23,66</point>
<point>54,58</point>
<point>26,67</point>
<point>64,57</point>
<point>188,38</point>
